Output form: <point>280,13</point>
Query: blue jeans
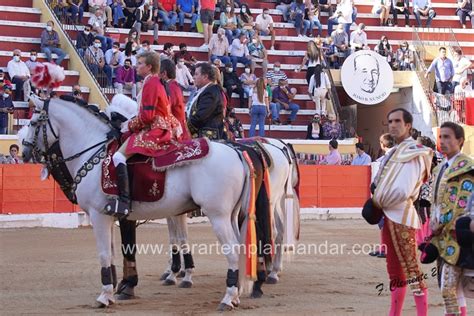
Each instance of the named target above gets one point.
<point>242,60</point>
<point>276,107</point>
<point>108,72</point>
<point>313,23</point>
<point>300,22</point>
<point>106,42</point>
<point>3,130</point>
<point>247,91</point>
<point>193,19</point>
<point>258,113</point>
<point>74,11</point>
<point>444,87</point>
<point>334,21</point>
<point>223,59</point>
<point>431,15</point>
<point>169,18</point>
<point>117,13</point>
<point>231,34</point>
<point>48,50</point>
<point>354,14</point>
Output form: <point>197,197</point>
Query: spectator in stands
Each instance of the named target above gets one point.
<point>3,80</point>
<point>311,58</point>
<point>50,43</point>
<point>130,52</point>
<point>463,11</point>
<point>283,99</point>
<point>249,80</point>
<point>463,86</point>
<point>106,11</point>
<point>330,52</point>
<point>145,47</point>
<point>33,62</point>
<point>13,158</point>
<point>187,9</point>
<point>258,53</point>
<point>167,13</point>
<point>239,52</point>
<point>312,15</point>
<point>167,52</point>
<point>384,49</point>
<point>6,106</point>
<point>313,130</point>
<point>274,76</point>
<point>259,109</point>
<point>423,8</point>
<point>133,36</point>
<point>207,9</point>
<point>183,76</point>
<point>405,58</point>
<point>354,12</point>
<point>343,14</point>
<point>117,7</point>
<point>444,72</point>
<point>332,128</point>
<point>233,84</point>
<point>224,3</point>
<point>84,39</point>
<point>114,57</point>
<point>284,7</point>
<point>98,28</point>
<point>96,61</point>
<point>234,125</point>
<point>76,9</point>
<point>318,89</point>
<point>219,47</point>
<point>125,79</point>
<point>245,21</point>
<point>131,11</point>
<point>228,21</point>
<point>297,10</point>
<point>362,159</point>
<point>382,9</point>
<point>334,157</point>
<point>461,66</point>
<point>341,41</point>
<point>326,6</point>
<point>77,92</point>
<point>264,26</point>
<point>146,21</point>
<point>400,7</point>
<point>19,75</point>
<point>358,39</point>
<point>189,59</point>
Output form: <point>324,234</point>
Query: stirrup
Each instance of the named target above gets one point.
<point>117,208</point>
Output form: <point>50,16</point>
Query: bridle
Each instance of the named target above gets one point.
<point>52,156</point>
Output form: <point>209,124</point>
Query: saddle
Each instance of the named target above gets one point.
<point>148,174</point>
<point>256,144</point>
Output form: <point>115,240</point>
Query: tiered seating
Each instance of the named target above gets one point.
<point>19,19</point>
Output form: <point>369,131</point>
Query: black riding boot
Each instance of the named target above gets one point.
<point>120,207</point>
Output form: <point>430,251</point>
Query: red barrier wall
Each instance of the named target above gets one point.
<point>22,191</point>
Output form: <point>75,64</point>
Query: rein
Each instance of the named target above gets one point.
<point>52,156</point>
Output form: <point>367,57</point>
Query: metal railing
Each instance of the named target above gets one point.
<point>67,24</point>
<point>451,107</point>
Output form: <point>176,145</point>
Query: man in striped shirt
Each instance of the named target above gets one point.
<point>275,75</point>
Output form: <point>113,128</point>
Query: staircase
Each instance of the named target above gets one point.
<point>20,27</point>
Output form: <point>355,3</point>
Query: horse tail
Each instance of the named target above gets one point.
<point>295,183</point>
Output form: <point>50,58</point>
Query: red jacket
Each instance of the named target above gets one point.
<point>178,108</point>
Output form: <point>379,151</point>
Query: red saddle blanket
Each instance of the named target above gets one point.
<point>147,174</point>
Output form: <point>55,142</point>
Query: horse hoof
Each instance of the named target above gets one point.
<point>125,293</point>
<point>99,305</point>
<point>224,308</point>
<point>256,294</point>
<point>164,276</point>
<point>185,284</point>
<point>271,280</point>
<point>124,297</point>
<point>181,274</point>
<point>168,282</point>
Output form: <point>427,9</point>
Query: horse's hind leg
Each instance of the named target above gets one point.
<point>174,262</point>
<point>126,287</point>
<point>277,260</point>
<point>102,227</point>
<point>225,234</point>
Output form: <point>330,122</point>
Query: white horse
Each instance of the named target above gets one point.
<point>80,134</point>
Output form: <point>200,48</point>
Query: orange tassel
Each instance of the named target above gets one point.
<point>251,240</point>
<point>266,181</point>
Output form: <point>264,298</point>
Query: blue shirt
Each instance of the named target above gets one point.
<point>186,5</point>
<point>362,160</point>
<point>5,104</point>
<point>444,69</point>
<point>421,4</point>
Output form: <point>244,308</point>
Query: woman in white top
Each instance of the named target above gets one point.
<point>319,86</point>
<point>259,109</point>
<point>312,58</point>
<point>382,9</point>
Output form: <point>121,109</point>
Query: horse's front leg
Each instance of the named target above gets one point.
<point>126,287</point>
<point>102,227</point>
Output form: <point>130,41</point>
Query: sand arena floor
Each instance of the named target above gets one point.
<point>56,272</point>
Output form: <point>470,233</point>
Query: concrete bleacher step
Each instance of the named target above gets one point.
<point>18,3</point>
<point>6,55</point>
<point>16,13</point>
